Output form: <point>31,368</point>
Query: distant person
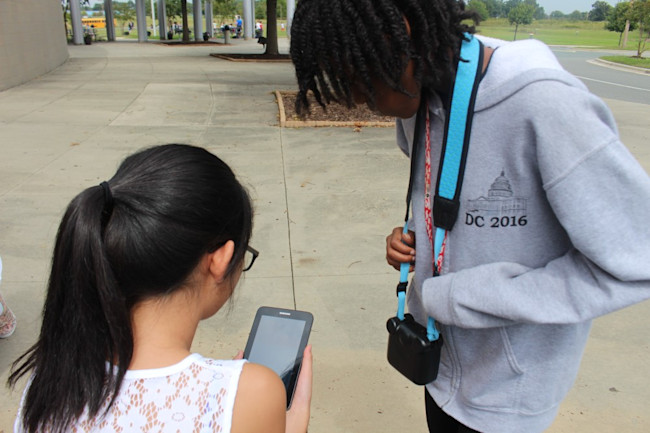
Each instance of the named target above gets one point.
<point>138,262</point>
<point>552,227</point>
<point>240,24</point>
<point>7,318</point>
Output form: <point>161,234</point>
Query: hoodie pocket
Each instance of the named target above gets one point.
<point>491,376</point>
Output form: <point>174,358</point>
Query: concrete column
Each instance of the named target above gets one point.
<point>110,26</point>
<point>162,19</point>
<point>75,18</point>
<point>208,17</point>
<point>141,19</point>
<point>249,24</point>
<point>291,8</point>
<point>198,28</point>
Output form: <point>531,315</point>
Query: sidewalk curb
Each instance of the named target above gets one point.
<point>614,65</point>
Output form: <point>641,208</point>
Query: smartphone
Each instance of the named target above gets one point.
<point>277,340</point>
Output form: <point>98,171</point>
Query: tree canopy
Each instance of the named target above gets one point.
<point>600,10</point>
<point>521,14</point>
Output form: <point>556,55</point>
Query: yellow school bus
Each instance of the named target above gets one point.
<point>96,22</point>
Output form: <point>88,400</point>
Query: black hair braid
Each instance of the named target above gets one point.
<point>308,66</point>
<point>340,52</point>
<point>338,45</point>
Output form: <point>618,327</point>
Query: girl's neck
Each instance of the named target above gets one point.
<point>163,330</point>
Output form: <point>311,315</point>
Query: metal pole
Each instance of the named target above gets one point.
<point>162,19</point>
<point>198,31</point>
<point>110,26</point>
<point>249,12</point>
<point>75,18</point>
<point>208,18</point>
<point>153,18</point>
<point>141,18</point>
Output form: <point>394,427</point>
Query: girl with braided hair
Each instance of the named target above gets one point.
<point>357,51</point>
<point>547,188</point>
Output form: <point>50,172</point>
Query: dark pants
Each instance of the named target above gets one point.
<point>439,422</point>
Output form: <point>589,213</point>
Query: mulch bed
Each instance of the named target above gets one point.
<point>174,43</point>
<point>333,115</point>
<point>253,57</point>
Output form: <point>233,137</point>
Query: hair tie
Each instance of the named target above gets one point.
<point>108,200</point>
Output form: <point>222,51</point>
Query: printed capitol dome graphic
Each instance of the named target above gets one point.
<point>500,187</point>
<point>500,199</point>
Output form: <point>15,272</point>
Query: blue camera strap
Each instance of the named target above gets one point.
<point>452,161</point>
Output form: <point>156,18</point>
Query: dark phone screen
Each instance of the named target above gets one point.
<point>276,345</point>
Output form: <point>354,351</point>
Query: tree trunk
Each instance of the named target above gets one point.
<point>186,30</point>
<point>516,27</point>
<point>272,28</point>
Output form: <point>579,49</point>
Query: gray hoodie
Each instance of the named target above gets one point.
<point>552,232</point>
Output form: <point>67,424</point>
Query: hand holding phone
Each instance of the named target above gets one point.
<point>277,340</point>
<point>298,415</point>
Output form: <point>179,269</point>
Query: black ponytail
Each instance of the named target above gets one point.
<point>136,237</point>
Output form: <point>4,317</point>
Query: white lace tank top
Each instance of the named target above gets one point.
<point>195,395</point>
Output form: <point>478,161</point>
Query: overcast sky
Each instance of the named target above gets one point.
<point>568,6</point>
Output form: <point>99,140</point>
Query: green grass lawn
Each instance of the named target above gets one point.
<point>586,34</point>
<point>556,32</point>
<point>631,61</point>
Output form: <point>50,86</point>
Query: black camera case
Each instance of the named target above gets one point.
<point>411,352</point>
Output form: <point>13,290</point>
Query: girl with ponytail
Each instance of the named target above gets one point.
<point>138,262</point>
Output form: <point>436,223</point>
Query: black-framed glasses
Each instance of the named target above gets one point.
<point>249,257</point>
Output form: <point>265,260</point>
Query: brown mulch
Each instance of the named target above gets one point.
<point>334,112</point>
<point>255,57</point>
<point>180,43</point>
<point>333,115</point>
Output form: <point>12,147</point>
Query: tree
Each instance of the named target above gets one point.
<point>494,7</point>
<point>173,11</point>
<point>282,9</point>
<point>557,15</point>
<point>509,5</point>
<point>224,8</point>
<point>641,14</point>
<point>600,10</point>
<point>577,16</point>
<point>260,9</point>
<point>272,28</point>
<point>618,17</point>
<point>124,11</point>
<point>480,8</point>
<point>521,14</point>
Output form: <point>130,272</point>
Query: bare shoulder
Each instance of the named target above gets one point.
<point>260,404</point>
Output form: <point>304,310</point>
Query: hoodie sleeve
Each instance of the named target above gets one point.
<point>601,197</point>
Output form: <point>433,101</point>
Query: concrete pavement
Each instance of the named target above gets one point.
<point>324,200</point>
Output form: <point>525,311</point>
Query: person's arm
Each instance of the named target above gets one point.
<point>260,405</point>
<point>601,197</point>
